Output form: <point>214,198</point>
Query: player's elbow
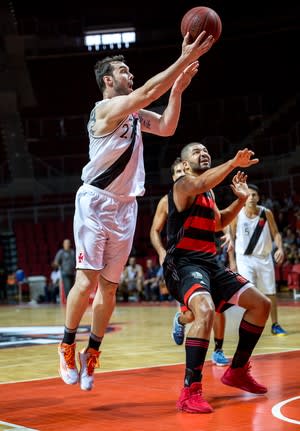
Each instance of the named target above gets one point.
<point>166,130</point>
<point>171,129</point>
<point>154,233</point>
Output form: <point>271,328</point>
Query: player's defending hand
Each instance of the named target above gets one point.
<point>243,159</point>
<point>239,185</point>
<point>226,241</point>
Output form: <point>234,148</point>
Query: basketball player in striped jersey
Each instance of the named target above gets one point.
<point>184,315</point>
<point>197,279</point>
<point>106,206</point>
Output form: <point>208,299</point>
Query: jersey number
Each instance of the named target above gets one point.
<point>126,128</point>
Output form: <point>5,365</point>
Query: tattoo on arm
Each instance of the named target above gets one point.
<point>145,123</point>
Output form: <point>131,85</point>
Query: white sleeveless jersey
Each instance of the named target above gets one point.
<point>105,150</point>
<point>244,230</point>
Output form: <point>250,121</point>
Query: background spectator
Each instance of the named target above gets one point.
<point>65,260</point>
<point>52,287</point>
<point>132,280</point>
<point>151,282</point>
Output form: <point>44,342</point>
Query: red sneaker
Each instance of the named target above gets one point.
<point>242,379</point>
<point>191,400</point>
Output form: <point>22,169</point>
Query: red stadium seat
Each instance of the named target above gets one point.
<point>294,280</point>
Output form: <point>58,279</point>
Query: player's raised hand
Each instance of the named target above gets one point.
<point>243,159</point>
<point>184,79</point>
<point>196,49</point>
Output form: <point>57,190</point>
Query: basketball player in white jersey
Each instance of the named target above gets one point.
<point>256,262</point>
<point>106,207</point>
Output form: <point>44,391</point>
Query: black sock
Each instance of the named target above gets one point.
<point>249,335</point>
<point>195,349</point>
<point>69,335</point>
<point>94,342</point>
<point>218,343</point>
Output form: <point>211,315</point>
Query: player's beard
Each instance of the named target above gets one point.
<point>120,89</point>
<point>199,169</point>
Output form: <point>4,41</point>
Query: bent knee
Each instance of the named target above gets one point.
<point>204,319</point>
<point>86,281</point>
<point>263,304</point>
<point>267,304</point>
<point>205,313</point>
<point>109,289</point>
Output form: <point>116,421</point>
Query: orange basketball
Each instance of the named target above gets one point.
<point>201,18</point>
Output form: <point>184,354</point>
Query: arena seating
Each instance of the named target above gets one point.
<point>294,280</point>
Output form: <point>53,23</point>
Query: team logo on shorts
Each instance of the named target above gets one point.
<point>80,257</point>
<point>197,274</point>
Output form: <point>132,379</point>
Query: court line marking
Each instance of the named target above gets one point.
<point>276,411</point>
<point>14,426</point>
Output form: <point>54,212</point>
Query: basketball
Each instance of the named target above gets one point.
<point>199,19</point>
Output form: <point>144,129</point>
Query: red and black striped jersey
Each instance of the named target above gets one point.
<point>191,233</point>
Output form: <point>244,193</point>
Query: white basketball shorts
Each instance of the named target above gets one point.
<point>259,270</point>
<point>104,226</point>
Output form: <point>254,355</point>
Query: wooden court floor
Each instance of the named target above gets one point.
<point>141,374</point>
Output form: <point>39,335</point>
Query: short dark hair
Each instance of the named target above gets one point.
<point>253,187</point>
<point>174,164</point>
<point>104,67</point>
<point>185,152</point>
